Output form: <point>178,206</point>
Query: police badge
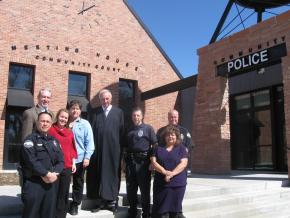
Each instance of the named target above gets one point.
<point>140,133</point>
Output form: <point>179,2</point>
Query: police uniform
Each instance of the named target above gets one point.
<point>39,155</point>
<point>139,141</point>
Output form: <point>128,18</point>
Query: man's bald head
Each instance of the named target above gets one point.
<point>173,117</point>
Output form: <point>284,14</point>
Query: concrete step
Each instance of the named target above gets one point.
<point>282,213</point>
<point>241,210</point>
<point>209,202</point>
<point>209,196</point>
<point>121,213</point>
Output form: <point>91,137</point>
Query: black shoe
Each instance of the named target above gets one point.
<point>73,210</point>
<point>112,206</point>
<point>95,210</point>
<point>98,208</point>
<point>180,215</point>
<point>164,215</point>
<point>132,212</point>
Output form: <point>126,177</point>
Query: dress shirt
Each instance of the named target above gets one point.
<point>107,110</point>
<point>84,139</point>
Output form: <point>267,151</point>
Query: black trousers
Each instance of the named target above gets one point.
<point>62,202</point>
<point>39,199</point>
<point>138,175</point>
<point>78,184</point>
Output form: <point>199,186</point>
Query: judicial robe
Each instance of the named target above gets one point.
<point>103,173</point>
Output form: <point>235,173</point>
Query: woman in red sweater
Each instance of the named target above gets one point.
<point>64,135</point>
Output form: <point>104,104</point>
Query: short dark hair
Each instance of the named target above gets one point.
<point>171,129</point>
<point>137,108</point>
<point>75,102</point>
<point>44,112</point>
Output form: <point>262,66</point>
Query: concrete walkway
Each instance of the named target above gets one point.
<point>241,194</point>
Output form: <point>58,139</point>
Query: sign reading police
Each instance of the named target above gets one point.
<point>252,61</point>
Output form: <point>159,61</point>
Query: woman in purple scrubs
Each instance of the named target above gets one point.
<point>169,161</point>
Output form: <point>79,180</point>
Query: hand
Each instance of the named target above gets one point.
<point>73,168</point>
<point>151,167</point>
<point>169,173</point>
<point>167,178</point>
<point>50,177</point>
<point>86,163</point>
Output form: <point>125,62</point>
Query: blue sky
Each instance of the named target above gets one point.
<point>183,26</point>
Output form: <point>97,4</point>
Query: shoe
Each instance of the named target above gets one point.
<point>132,212</point>
<point>98,208</point>
<point>180,215</point>
<point>95,210</point>
<point>73,210</point>
<point>112,206</point>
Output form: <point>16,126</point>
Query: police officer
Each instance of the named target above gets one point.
<point>140,138</point>
<point>41,160</point>
<point>173,117</point>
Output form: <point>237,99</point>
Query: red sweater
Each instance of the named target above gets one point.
<point>66,139</point>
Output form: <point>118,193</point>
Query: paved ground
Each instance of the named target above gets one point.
<point>10,202</point>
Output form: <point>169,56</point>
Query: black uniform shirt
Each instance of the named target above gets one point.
<point>184,135</point>
<point>140,138</point>
<point>41,154</point>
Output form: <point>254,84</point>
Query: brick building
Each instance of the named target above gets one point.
<point>242,101</point>
<point>76,48</point>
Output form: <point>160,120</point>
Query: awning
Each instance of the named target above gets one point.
<point>84,101</point>
<point>19,98</point>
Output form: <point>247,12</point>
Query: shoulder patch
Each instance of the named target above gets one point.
<point>28,144</point>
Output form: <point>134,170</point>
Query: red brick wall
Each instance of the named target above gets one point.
<point>211,117</point>
<point>126,51</point>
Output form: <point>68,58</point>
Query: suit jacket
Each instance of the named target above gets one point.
<point>29,118</point>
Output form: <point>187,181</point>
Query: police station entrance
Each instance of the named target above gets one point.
<point>258,130</point>
<point>257,117</point>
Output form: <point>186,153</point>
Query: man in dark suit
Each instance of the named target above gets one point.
<point>30,115</point>
<point>103,173</point>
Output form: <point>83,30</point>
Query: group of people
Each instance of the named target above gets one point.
<point>56,148</point>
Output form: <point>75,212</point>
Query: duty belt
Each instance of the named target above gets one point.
<point>138,155</point>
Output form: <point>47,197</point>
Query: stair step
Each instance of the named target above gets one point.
<point>240,211</point>
<point>234,199</point>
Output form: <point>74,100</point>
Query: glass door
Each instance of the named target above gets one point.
<point>257,130</point>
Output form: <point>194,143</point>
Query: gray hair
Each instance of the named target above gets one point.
<point>46,89</point>
<point>103,91</point>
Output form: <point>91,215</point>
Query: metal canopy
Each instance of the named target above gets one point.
<point>264,4</point>
<point>259,7</point>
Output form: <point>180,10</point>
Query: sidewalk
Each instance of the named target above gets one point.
<point>199,186</point>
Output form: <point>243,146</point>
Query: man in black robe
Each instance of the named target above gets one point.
<point>103,173</point>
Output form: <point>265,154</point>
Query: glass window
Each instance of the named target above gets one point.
<point>243,101</point>
<point>78,84</point>
<point>127,98</point>
<point>20,77</point>
<point>20,80</point>
<point>13,126</point>
<point>261,98</point>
